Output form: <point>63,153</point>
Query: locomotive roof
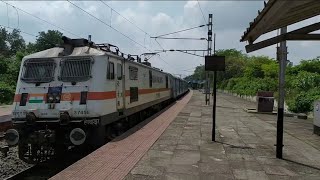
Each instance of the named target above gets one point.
<point>83,51</point>
<point>54,52</point>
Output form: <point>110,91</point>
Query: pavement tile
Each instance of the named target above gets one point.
<point>246,157</point>
<point>142,177</point>
<point>187,147</point>
<point>159,153</point>
<point>278,170</point>
<point>249,174</point>
<point>186,157</point>
<point>148,170</point>
<point>215,176</point>
<point>218,168</point>
<point>189,141</point>
<point>214,157</point>
<point>163,147</point>
<point>243,164</point>
<point>183,169</point>
<point>178,176</point>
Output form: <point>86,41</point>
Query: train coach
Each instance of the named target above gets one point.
<point>79,93</point>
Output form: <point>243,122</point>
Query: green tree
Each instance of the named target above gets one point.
<point>47,40</point>
<point>16,42</point>
<point>4,48</point>
<point>312,65</point>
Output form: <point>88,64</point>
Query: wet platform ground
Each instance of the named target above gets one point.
<point>177,144</point>
<point>244,148</point>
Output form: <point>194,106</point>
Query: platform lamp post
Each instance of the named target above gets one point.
<point>214,63</point>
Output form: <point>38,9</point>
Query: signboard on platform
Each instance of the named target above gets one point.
<point>215,63</point>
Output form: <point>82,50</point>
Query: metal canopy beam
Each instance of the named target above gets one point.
<point>280,13</point>
<point>296,35</point>
<point>278,39</point>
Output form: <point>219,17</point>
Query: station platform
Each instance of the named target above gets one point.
<point>177,145</point>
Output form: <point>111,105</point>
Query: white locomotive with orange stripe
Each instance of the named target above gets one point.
<point>83,92</point>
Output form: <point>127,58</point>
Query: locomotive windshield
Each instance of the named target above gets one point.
<point>38,70</point>
<point>76,69</point>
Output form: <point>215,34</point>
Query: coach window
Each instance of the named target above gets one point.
<point>119,71</point>
<point>150,78</point>
<point>110,70</point>
<point>166,81</point>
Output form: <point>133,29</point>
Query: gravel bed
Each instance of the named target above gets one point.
<point>11,164</point>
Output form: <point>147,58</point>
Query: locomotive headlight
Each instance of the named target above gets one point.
<point>58,98</point>
<point>50,98</point>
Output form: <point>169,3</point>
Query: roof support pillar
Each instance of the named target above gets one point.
<point>282,69</point>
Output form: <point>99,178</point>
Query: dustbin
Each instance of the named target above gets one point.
<point>316,118</point>
<point>265,101</point>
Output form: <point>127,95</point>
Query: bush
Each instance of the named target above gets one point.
<point>6,93</point>
<point>303,102</point>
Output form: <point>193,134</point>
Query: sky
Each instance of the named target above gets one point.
<point>151,18</point>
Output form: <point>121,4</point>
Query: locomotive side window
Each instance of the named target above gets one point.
<point>76,69</point>
<point>150,78</point>
<point>133,73</point>
<point>119,71</point>
<point>110,73</point>
<point>134,94</point>
<point>38,70</point>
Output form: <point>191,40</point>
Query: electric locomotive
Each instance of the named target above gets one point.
<point>80,94</point>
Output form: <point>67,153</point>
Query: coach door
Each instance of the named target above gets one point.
<point>120,86</point>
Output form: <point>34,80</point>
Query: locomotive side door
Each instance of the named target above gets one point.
<point>119,86</point>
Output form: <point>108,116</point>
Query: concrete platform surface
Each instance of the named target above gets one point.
<point>244,148</point>
<point>115,159</point>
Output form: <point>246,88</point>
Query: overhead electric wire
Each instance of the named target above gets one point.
<point>17,17</point>
<point>189,53</point>
<point>204,19</point>
<point>146,33</point>
<point>18,30</point>
<point>158,44</point>
<point>116,30</point>
<point>125,18</point>
<point>30,34</point>
<point>182,38</point>
<point>8,15</point>
<point>180,31</point>
<point>182,50</point>
<point>109,26</point>
<point>42,19</point>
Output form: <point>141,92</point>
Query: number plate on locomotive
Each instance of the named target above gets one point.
<point>91,122</point>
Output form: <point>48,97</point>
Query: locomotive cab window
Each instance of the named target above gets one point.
<point>38,70</point>
<point>110,73</point>
<point>119,71</point>
<point>76,69</point>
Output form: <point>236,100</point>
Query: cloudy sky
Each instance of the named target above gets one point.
<point>230,19</point>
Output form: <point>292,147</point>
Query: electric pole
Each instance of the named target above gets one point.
<point>207,91</point>
<point>282,54</point>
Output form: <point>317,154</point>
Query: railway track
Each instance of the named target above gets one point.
<point>50,168</point>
